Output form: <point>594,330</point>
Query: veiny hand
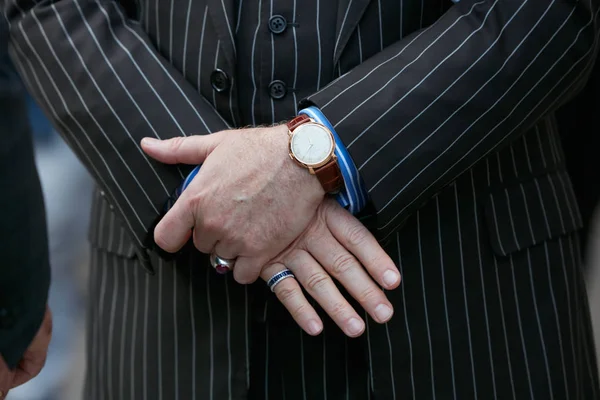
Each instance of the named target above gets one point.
<point>32,362</point>
<point>335,244</point>
<point>249,201</point>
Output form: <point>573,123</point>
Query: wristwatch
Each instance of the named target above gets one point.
<point>312,146</point>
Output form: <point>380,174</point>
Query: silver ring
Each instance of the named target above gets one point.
<point>278,277</point>
<point>220,264</point>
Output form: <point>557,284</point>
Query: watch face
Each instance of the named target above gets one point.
<point>312,144</point>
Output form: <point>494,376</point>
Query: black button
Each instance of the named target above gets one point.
<point>277,89</point>
<point>7,319</point>
<point>219,80</point>
<point>277,24</point>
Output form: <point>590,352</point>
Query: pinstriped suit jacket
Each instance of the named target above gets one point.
<point>443,107</point>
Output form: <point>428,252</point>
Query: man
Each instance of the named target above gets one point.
<point>25,321</point>
<point>447,113</point>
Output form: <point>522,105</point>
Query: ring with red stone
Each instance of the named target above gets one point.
<point>220,264</point>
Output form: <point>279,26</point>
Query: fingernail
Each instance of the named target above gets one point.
<point>149,141</point>
<point>314,328</point>
<point>355,326</point>
<point>390,278</point>
<point>383,312</point>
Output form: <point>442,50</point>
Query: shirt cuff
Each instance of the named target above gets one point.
<point>354,197</point>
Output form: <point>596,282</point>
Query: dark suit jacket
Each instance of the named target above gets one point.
<point>577,122</point>
<point>24,265</point>
<point>448,112</point>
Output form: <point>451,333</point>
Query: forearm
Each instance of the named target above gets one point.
<point>104,86</point>
<point>425,109</point>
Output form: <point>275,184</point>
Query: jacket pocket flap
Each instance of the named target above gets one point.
<point>532,212</point>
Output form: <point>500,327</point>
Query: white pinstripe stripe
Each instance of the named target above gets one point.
<point>303,373</point>
<point>520,324</point>
<point>214,93</point>
<point>380,25</point>
<point>229,27</point>
<point>320,52</point>
<point>443,276</point>
<point>134,339</point>
<point>408,334</point>
<point>98,176</point>
<point>272,66</point>
<point>424,292</point>
<point>339,36</point>
<point>324,367</point>
<point>255,91</point>
<point>369,350</point>
<point>185,40</point>
<point>464,289</point>
<point>193,325</point>
<point>557,98</point>
<point>170,30</point>
<point>537,315</point>
<point>123,325</point>
<point>229,359</point>
<point>200,52</point>
<point>159,320</point>
<point>485,308</point>
<point>211,333</point>
<point>102,339</point>
<point>174,266</point>
<point>346,376</point>
<point>239,15</point>
<point>266,383</point>
<point>145,340</point>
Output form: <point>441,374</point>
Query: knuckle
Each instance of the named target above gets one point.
<point>342,263</point>
<point>176,143</point>
<point>338,309</point>
<point>356,235</point>
<point>285,294</point>
<point>368,294</point>
<point>318,281</point>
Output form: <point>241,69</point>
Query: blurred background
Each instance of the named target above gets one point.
<point>67,190</point>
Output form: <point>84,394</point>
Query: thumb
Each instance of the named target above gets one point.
<point>182,150</point>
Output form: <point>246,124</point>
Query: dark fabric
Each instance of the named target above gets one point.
<point>576,122</point>
<point>24,265</point>
<point>444,109</point>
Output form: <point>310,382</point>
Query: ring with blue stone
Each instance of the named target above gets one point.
<point>278,277</point>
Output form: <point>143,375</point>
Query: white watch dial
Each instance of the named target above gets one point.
<point>311,144</point>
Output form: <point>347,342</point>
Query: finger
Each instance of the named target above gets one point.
<point>182,150</point>
<point>344,267</point>
<point>205,240</point>
<point>175,228</point>
<point>290,294</point>
<point>247,269</point>
<point>227,249</point>
<point>355,237</point>
<point>321,287</point>
<point>6,378</point>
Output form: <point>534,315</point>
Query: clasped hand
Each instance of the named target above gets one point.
<point>251,203</point>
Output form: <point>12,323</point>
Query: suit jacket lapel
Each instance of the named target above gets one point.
<point>349,13</point>
<point>223,15</point>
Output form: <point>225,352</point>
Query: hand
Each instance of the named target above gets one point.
<point>249,201</point>
<point>33,359</point>
<point>335,244</point>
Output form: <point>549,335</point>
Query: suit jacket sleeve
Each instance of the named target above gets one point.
<point>427,108</point>
<point>105,87</point>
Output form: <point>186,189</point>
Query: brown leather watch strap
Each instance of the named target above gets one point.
<point>296,122</point>
<point>330,176</point>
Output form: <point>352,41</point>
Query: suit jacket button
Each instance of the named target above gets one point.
<point>277,89</point>
<point>277,24</point>
<point>219,80</point>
